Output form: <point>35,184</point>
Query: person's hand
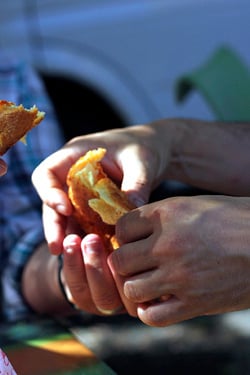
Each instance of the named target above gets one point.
<point>3,167</point>
<point>81,276</point>
<point>137,158</point>
<point>184,257</point>
<point>87,279</point>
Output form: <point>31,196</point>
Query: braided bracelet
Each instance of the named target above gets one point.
<point>61,285</point>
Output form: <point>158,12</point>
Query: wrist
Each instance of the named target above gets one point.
<point>170,142</point>
<point>62,285</point>
<point>40,285</point>
<point>180,131</point>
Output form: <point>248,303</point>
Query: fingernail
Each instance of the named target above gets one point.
<point>92,244</point>
<point>89,248</point>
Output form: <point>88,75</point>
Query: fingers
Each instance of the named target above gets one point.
<point>89,283</point>
<point>168,311</point>
<point>143,278</point>
<point>144,287</point>
<point>75,276</point>
<point>132,259</point>
<point>102,287</point>
<point>136,180</point>
<point>119,281</point>
<point>54,229</point>
<point>162,314</point>
<point>127,231</point>
<point>49,179</point>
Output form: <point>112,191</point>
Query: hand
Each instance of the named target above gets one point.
<point>88,281</point>
<point>185,257</point>
<point>85,275</point>
<point>143,147</point>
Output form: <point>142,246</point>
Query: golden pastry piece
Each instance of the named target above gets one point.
<point>97,200</point>
<point>15,122</point>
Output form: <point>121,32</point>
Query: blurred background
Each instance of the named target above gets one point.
<point>115,63</point>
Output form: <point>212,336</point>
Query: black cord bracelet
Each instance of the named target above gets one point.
<point>60,267</point>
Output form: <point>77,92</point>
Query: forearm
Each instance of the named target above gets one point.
<point>210,155</point>
<point>40,284</point>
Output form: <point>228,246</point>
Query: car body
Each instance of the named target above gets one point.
<point>129,52</point>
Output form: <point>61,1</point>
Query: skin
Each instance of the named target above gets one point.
<point>193,251</point>
<point>44,294</point>
<point>179,258</point>
<point>81,280</point>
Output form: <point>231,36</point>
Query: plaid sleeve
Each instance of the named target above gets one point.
<point>20,207</point>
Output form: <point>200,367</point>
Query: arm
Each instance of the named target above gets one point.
<point>214,156</point>
<point>40,286</point>
<point>29,276</point>
<point>195,152</point>
<point>20,213</point>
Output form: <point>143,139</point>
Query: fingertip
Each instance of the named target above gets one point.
<point>91,238</point>
<point>92,243</point>
<point>71,240</point>
<point>59,201</point>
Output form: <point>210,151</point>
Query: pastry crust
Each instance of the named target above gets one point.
<point>97,200</point>
<point>15,122</point>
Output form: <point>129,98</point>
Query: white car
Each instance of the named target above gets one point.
<point>118,60</point>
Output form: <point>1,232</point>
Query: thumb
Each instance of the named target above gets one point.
<point>137,179</point>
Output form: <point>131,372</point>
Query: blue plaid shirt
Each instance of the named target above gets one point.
<point>21,228</point>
